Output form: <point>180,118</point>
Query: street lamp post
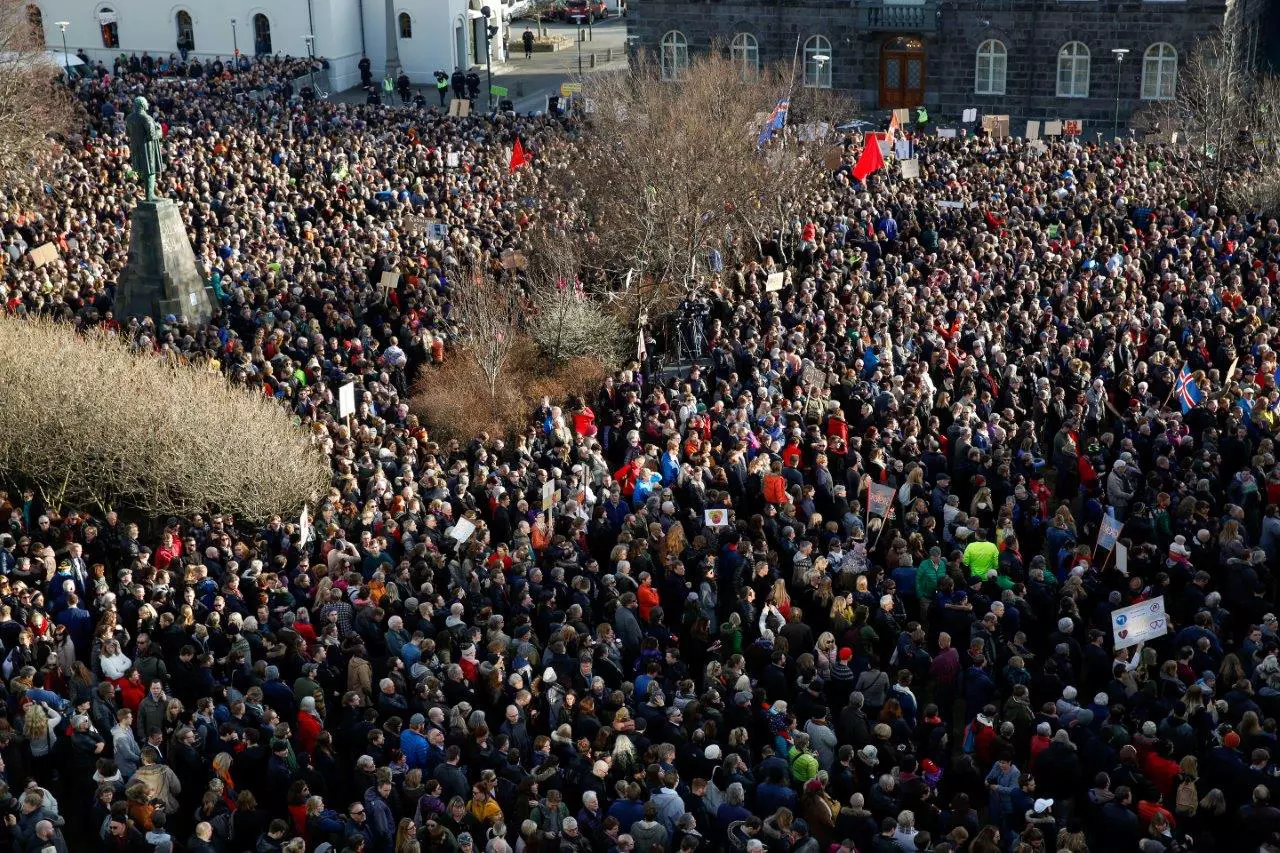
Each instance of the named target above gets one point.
<point>1120,53</point>
<point>310,39</point>
<point>578,21</point>
<point>66,59</point>
<point>235,42</point>
<point>489,31</point>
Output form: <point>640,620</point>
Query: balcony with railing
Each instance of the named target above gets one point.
<point>878,16</point>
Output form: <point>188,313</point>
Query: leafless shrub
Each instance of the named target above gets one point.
<point>33,105</point>
<point>86,421</point>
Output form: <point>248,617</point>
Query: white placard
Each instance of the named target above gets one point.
<point>954,205</point>
<point>453,159</point>
<point>1122,559</point>
<point>775,282</point>
<point>911,168</point>
<point>347,400</point>
<point>902,149</point>
<point>715,517</point>
<point>970,115</point>
<point>884,146</point>
<point>1053,128</point>
<point>304,526</point>
<point>946,133</point>
<point>1139,623</point>
<point>437,231</point>
<point>462,530</point>
<point>548,495</point>
<point>1033,130</point>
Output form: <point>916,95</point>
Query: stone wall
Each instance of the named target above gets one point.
<point>1032,31</point>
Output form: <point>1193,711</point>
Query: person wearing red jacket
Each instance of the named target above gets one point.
<point>309,724</point>
<point>646,596</point>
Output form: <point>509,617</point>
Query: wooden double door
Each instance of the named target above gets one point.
<point>902,72</point>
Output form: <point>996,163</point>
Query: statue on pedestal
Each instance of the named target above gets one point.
<point>144,146</point>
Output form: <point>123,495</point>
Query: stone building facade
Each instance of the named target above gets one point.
<point>1030,59</point>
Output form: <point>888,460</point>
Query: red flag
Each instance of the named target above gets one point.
<point>519,156</point>
<point>870,160</point>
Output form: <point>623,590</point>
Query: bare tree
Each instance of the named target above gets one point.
<point>489,308</point>
<point>73,426</point>
<point>1227,111</point>
<point>668,172</point>
<point>33,105</point>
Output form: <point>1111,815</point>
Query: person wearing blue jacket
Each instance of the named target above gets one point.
<point>413,743</point>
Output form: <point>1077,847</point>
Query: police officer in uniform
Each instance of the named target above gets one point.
<point>442,87</point>
<point>459,81</point>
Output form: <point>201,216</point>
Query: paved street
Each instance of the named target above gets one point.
<point>530,81</point>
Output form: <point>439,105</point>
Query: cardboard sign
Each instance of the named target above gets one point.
<point>1053,128</point>
<point>415,224</point>
<point>42,255</point>
<point>1072,127</point>
<point>996,126</point>
<point>389,280</point>
<point>1139,622</point>
<point>946,133</point>
<point>568,90</point>
<point>462,530</point>
<point>452,159</point>
<point>903,115</point>
<point>347,400</point>
<point>437,231</point>
<point>970,115</point>
<point>775,282</point>
<point>459,108</point>
<point>548,495</point>
<point>1033,130</point>
<point>814,376</point>
<point>833,158</point>
<point>911,168</point>
<point>879,499</point>
<point>715,517</point>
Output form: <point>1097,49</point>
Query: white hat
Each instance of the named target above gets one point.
<point>549,676</point>
<point>869,754</point>
<point>1042,806</point>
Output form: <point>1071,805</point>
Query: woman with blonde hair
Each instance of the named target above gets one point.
<point>674,543</point>
<point>824,654</point>
<point>40,724</point>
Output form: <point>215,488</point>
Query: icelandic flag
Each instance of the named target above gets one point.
<point>776,120</point>
<point>1187,391</point>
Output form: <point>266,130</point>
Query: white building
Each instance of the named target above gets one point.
<point>419,35</point>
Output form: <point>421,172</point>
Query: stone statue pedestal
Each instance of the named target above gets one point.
<point>161,276</point>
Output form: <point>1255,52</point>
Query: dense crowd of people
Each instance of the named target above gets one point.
<point>709,642</point>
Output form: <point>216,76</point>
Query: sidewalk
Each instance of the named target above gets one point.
<point>529,81</point>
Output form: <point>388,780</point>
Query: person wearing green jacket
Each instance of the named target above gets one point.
<point>804,764</point>
<point>931,570</point>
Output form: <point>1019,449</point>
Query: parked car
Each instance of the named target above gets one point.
<point>585,11</point>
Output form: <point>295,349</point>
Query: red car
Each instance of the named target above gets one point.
<point>584,11</point>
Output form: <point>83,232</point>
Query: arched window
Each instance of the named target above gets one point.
<point>745,53</point>
<point>675,55</point>
<point>817,63</point>
<point>110,29</point>
<point>1159,72</point>
<point>186,30</point>
<point>1073,70</point>
<point>261,34</point>
<point>406,25</point>
<point>36,17</point>
<point>993,59</point>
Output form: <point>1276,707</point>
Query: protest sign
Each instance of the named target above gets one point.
<point>1053,128</point>
<point>902,149</point>
<point>1122,558</point>
<point>548,495</point>
<point>452,159</point>
<point>1109,531</point>
<point>459,108</point>
<point>953,205</point>
<point>304,526</point>
<point>815,376</point>
<point>347,400</point>
<point>1072,127</point>
<point>970,115</point>
<point>389,280</point>
<point>775,282</point>
<point>438,231</point>
<point>996,126</point>
<point>415,224</point>
<point>911,168</point>
<point>716,517</point>
<point>946,133</point>
<point>568,90</point>
<point>903,115</point>
<point>44,254</point>
<point>879,499</point>
<point>1139,622</point>
<point>833,158</point>
<point>1033,130</point>
<point>462,530</point>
